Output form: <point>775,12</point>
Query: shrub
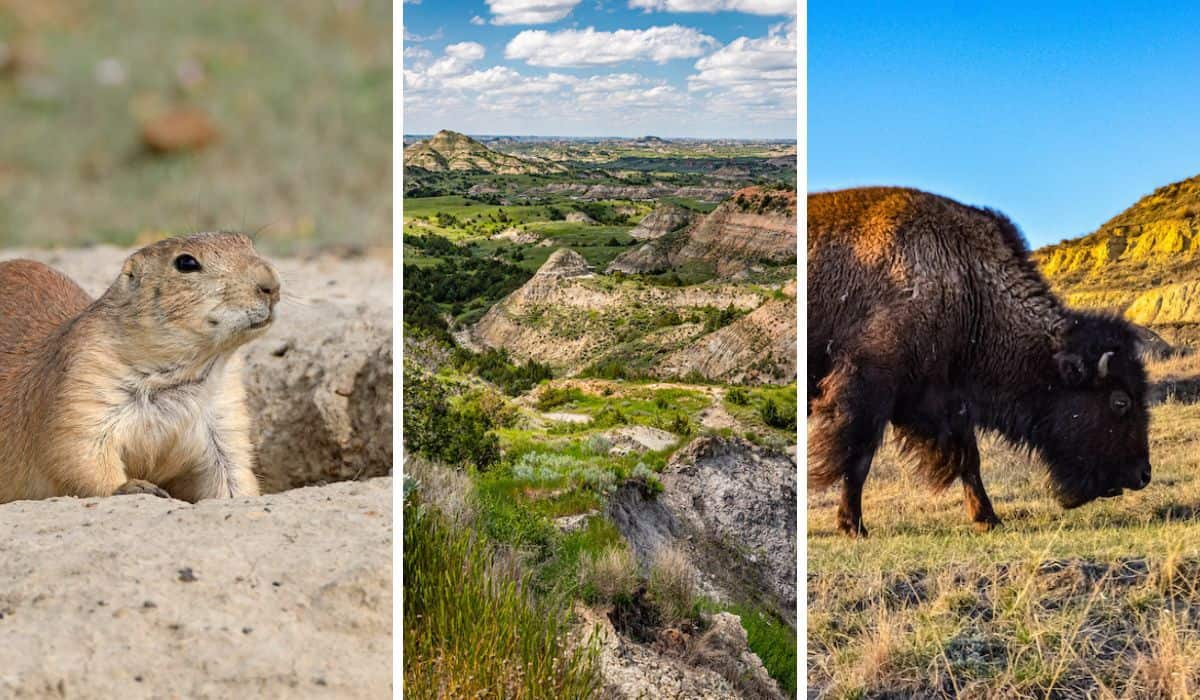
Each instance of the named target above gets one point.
<point>777,417</point>
<point>606,576</point>
<point>681,425</point>
<point>737,396</point>
<point>436,429</point>
<point>599,445</point>
<point>672,585</point>
<point>554,396</point>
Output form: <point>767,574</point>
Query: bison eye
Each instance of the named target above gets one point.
<point>186,263</point>
<point>1119,402</point>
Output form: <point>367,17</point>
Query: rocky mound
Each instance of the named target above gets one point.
<point>285,595</point>
<point>754,227</point>
<point>1143,263</point>
<point>578,217</point>
<point>759,348</point>
<point>319,384</point>
<point>714,665</point>
<point>517,236</point>
<point>731,506</point>
<point>666,218</point>
<point>452,151</point>
<point>567,317</point>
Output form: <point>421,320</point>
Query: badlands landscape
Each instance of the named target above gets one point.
<point>1102,601</point>
<point>600,414</point>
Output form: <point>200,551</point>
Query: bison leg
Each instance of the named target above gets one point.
<point>845,428</point>
<point>979,506</point>
<point>952,454</point>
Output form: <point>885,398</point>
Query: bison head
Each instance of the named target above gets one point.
<point>1092,427</point>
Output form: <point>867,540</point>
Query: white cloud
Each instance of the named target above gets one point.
<point>754,7</point>
<point>584,47</point>
<point>530,11</point>
<point>416,53</point>
<point>409,36</point>
<point>478,21</point>
<point>457,58</point>
<point>751,73</point>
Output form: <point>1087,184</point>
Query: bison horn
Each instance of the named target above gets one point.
<point>1102,367</point>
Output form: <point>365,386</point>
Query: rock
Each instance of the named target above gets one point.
<point>759,348</point>
<point>451,151</point>
<point>184,129</point>
<point>566,316</point>
<point>633,671</point>
<point>639,438</point>
<point>724,648</point>
<point>663,220</point>
<point>752,227</point>
<point>319,384</point>
<point>731,507</point>
<point>516,235</point>
<point>290,595</point>
<point>578,217</point>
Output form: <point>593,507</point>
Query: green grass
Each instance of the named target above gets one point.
<point>300,92</point>
<point>1097,601</point>
<point>773,641</point>
<point>472,631</point>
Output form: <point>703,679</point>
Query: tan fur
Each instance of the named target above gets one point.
<point>140,385</point>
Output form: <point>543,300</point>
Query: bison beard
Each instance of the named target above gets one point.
<point>928,315</point>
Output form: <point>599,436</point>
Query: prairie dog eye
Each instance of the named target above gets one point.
<point>1119,402</point>
<point>186,263</point>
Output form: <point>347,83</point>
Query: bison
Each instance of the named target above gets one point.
<point>928,314</point>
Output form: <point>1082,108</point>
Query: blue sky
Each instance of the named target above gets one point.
<point>1060,114</point>
<point>702,68</point>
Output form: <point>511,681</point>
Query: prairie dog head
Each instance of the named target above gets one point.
<point>194,297</point>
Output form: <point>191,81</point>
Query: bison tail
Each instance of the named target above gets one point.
<point>826,466</point>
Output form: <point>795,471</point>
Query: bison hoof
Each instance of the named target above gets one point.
<point>987,525</point>
<point>852,529</point>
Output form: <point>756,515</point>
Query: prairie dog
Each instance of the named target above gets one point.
<point>138,391</point>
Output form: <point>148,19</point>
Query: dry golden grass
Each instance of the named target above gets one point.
<point>1101,601</point>
<point>672,586</point>
<point>610,574</point>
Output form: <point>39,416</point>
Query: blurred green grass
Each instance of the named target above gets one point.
<point>299,91</point>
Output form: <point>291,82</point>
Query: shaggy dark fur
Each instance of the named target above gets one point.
<point>927,314</point>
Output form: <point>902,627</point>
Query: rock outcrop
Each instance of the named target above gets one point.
<point>319,383</point>
<point>452,151</point>
<point>715,665</point>
<point>566,316</point>
<point>666,218</point>
<point>284,595</point>
<point>731,506</point>
<point>754,227</point>
<point>759,348</point>
<point>1143,263</point>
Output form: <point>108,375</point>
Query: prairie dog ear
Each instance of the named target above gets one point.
<point>131,274</point>
<point>1070,368</point>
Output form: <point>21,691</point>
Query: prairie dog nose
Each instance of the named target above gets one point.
<point>267,281</point>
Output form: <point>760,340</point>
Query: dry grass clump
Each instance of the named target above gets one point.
<point>443,487</point>
<point>672,585</point>
<point>1100,601</point>
<point>608,575</point>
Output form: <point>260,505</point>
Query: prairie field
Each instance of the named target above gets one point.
<point>1101,602</point>
<point>299,96</point>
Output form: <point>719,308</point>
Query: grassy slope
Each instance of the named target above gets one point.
<point>301,93</point>
<point>1100,600</point>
